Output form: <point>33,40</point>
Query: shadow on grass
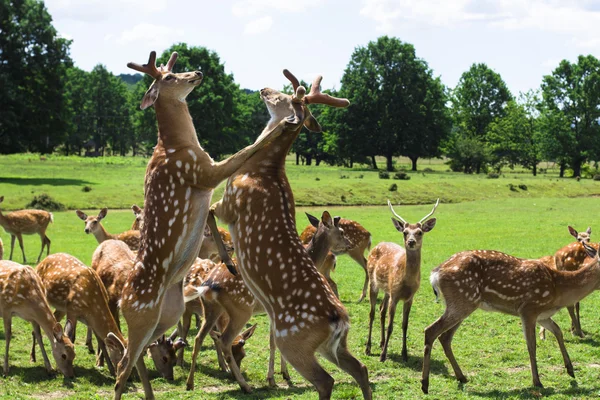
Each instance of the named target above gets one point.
<point>44,181</point>
<point>263,392</point>
<point>416,363</point>
<point>535,393</point>
<point>37,374</point>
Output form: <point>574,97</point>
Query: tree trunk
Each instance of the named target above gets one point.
<point>309,159</point>
<point>478,167</point>
<point>297,159</point>
<point>563,166</point>
<point>374,162</point>
<point>535,169</point>
<point>414,163</point>
<point>576,164</point>
<point>317,161</point>
<point>389,164</point>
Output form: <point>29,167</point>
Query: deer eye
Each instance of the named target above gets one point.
<point>169,77</point>
<point>419,233</point>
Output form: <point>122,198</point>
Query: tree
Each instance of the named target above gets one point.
<point>33,64</point>
<point>479,98</point>
<point>397,107</point>
<point>515,138</point>
<point>572,97</point>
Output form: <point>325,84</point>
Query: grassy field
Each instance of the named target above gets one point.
<point>489,346</point>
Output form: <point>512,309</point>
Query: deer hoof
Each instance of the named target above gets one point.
<point>425,385</point>
<point>246,388</point>
<point>271,382</point>
<point>462,379</point>
<point>383,357</point>
<point>189,386</point>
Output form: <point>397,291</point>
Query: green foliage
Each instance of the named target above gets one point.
<point>384,175</point>
<point>493,175</point>
<point>45,202</point>
<point>393,187</point>
<point>467,153</point>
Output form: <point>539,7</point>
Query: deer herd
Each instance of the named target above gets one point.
<point>176,262</point>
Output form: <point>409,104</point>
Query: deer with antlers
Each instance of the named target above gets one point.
<point>26,222</point>
<point>359,241</point>
<point>22,294</point>
<point>258,205</point>
<point>397,271</point>
<point>94,226</point>
<point>494,281</point>
<point>179,182</point>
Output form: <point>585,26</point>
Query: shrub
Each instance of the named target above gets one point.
<point>523,187</point>
<point>393,188</point>
<point>317,179</point>
<point>512,187</point>
<point>360,176</point>
<point>384,175</point>
<point>45,202</point>
<point>343,198</point>
<point>344,177</point>
<point>597,177</point>
<point>493,175</point>
<point>403,176</point>
<point>86,189</point>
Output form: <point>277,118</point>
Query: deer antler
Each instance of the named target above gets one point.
<point>316,97</point>
<point>150,67</point>
<point>292,79</point>
<point>170,63</point>
<point>432,211</point>
<point>395,214</point>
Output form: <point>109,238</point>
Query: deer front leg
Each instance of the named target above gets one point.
<point>272,349</point>
<point>20,238</point>
<point>89,341</point>
<point>7,336</point>
<point>211,316</point>
<point>529,333</point>
<point>372,300</point>
<point>37,334</point>
<point>32,356</point>
<point>390,329</point>
<point>405,315</point>
<point>383,308</point>
<point>12,246</point>
<point>575,325</point>
<point>555,329</point>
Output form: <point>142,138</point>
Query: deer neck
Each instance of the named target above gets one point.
<point>413,262</point>
<point>575,285</point>
<point>175,125</point>
<point>271,158</point>
<point>318,248</point>
<point>102,234</point>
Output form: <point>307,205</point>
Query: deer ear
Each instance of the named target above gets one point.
<point>207,231</point>
<point>150,97</point>
<point>68,328</point>
<point>57,331</point>
<point>81,215</point>
<point>179,344</point>
<point>336,221</point>
<point>573,232</point>
<point>114,342</point>
<point>312,125</point>
<point>589,230</point>
<point>102,213</point>
<point>398,225</point>
<point>1,199</point>
<point>247,334</point>
<point>314,221</point>
<point>326,218</point>
<point>136,210</point>
<point>591,252</point>
<point>428,225</point>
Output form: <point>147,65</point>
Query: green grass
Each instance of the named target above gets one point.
<point>489,346</point>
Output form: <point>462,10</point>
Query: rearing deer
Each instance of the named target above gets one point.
<point>258,205</point>
<point>179,182</point>
<point>397,271</point>
<point>495,281</point>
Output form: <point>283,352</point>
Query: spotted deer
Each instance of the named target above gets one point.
<point>139,218</point>
<point>178,186</point>
<point>570,258</point>
<point>396,271</point>
<point>258,206</point>
<point>209,249</point>
<point>22,294</point>
<point>76,291</point>
<point>494,281</point>
<point>94,226</point>
<point>360,241</point>
<point>26,222</point>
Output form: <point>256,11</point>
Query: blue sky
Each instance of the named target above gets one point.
<point>523,40</point>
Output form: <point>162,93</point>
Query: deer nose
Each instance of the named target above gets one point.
<point>198,74</point>
<point>411,242</point>
<point>87,230</point>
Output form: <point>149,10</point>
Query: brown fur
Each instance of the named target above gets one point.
<point>93,225</point>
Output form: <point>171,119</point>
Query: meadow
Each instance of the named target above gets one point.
<point>476,213</point>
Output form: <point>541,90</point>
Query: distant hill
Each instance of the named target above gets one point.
<point>131,79</point>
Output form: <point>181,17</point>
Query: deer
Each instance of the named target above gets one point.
<point>570,258</point>
<point>76,291</point>
<point>495,281</point>
<point>94,226</point>
<point>360,241</point>
<point>22,294</point>
<point>258,207</point>
<point>209,249</point>
<point>139,218</point>
<point>179,182</point>
<point>396,271</point>
<point>26,222</point>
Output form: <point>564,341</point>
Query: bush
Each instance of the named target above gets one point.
<point>512,187</point>
<point>597,177</point>
<point>344,177</point>
<point>393,188</point>
<point>317,179</point>
<point>523,187</point>
<point>360,176</point>
<point>45,202</point>
<point>403,176</point>
<point>343,198</point>
<point>493,175</point>
<point>86,189</point>
<point>384,175</point>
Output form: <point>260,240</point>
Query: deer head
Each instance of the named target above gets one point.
<point>63,350</point>
<point>166,83</point>
<point>413,233</point>
<point>330,227</point>
<point>139,217</point>
<point>582,237</point>
<point>92,223</point>
<point>164,355</point>
<point>237,347</point>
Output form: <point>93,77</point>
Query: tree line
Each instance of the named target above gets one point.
<point>398,107</point>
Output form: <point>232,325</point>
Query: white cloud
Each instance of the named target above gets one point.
<point>259,25</point>
<point>99,10</point>
<point>256,7</point>
<point>149,34</point>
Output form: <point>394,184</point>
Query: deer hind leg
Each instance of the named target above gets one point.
<point>383,308</point>
<point>183,328</point>
<point>234,327</point>
<point>89,341</point>
<point>372,300</point>
<point>347,362</point>
<point>139,336</point>
<point>555,329</point>
<point>447,321</point>
<point>306,364</point>
<point>405,314</point>
<point>12,246</point>
<point>575,322</point>
<point>446,341</point>
<point>20,238</point>
<point>272,349</point>
<point>211,315</point>
<point>7,336</point>
<point>32,356</point>
<point>43,237</point>
<point>37,334</point>
<point>359,257</point>
<point>390,328</point>
<point>528,323</point>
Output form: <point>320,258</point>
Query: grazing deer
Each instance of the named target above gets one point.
<point>178,186</point>
<point>139,218</point>
<point>22,294</point>
<point>258,205</point>
<point>397,271</point>
<point>76,291</point>
<point>26,222</point>
<point>360,241</point>
<point>495,281</point>
<point>571,258</point>
<point>94,225</point>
